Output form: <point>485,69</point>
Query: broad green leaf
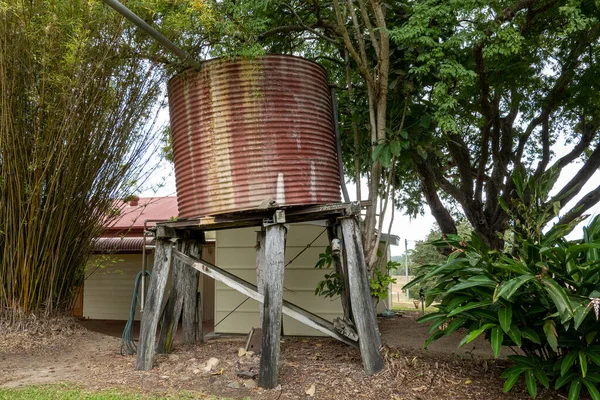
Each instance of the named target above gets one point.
<point>592,390</point>
<point>436,324</point>
<point>541,376</point>
<point>433,337</point>
<point>395,148</point>
<point>386,156</point>
<point>505,318</point>
<point>551,335</point>
<point>530,383</point>
<point>479,280</point>
<point>512,376</point>
<point>474,334</point>
<point>431,317</point>
<point>531,335</point>
<point>470,306</point>
<point>377,151</point>
<point>515,334</point>
<point>575,389</point>
<point>455,301</point>
<point>581,312</point>
<point>573,251</point>
<point>508,288</point>
<point>593,377</point>
<point>514,370</point>
<point>523,360</point>
<point>562,380</point>
<point>455,263</point>
<point>567,362</point>
<point>497,336</point>
<point>559,297</point>
<point>590,336</point>
<point>594,356</point>
<point>454,325</point>
<point>583,364</point>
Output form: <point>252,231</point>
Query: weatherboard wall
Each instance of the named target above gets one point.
<point>236,253</point>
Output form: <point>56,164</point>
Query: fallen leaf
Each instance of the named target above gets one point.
<point>219,372</point>
<point>311,390</point>
<point>420,388</point>
<point>468,381</point>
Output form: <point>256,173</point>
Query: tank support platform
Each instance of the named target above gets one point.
<point>179,245</point>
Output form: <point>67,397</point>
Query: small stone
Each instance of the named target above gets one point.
<point>165,377</point>
<point>234,385</point>
<point>210,364</point>
<point>250,384</point>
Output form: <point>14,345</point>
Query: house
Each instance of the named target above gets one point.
<point>118,258</point>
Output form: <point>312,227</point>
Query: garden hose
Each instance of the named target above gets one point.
<point>127,337</point>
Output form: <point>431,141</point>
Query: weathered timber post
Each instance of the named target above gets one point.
<point>340,269</point>
<point>365,319</point>
<point>273,300</point>
<point>192,302</point>
<point>260,266</point>
<point>158,282</point>
<point>182,301</point>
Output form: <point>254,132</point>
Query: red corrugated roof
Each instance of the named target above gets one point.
<point>148,208</point>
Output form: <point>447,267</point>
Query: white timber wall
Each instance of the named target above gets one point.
<point>108,291</point>
<point>236,253</point>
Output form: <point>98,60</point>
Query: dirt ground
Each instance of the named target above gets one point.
<point>317,368</point>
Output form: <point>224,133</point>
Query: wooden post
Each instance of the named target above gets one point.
<point>341,270</point>
<point>182,301</point>
<point>365,319</point>
<point>158,282</point>
<point>192,304</point>
<point>260,266</point>
<point>273,300</point>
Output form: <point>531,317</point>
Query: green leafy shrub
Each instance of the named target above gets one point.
<point>538,295</point>
<point>332,283</point>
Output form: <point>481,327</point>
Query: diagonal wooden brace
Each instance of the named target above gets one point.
<point>250,290</point>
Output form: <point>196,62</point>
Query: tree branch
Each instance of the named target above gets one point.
<point>460,154</point>
<point>439,212</point>
<point>545,150</point>
<point>589,132</point>
<point>571,189</point>
<point>582,206</point>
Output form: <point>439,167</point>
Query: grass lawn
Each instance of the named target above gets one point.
<point>411,307</point>
<point>67,392</point>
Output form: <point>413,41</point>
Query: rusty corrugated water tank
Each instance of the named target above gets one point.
<point>252,131</point>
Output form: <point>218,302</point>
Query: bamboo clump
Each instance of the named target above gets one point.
<point>77,108</point>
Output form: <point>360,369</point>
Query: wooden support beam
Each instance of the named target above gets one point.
<point>260,266</point>
<point>340,268</point>
<point>272,304</point>
<point>365,319</point>
<point>152,309</point>
<point>182,302</point>
<point>250,290</point>
<point>192,303</point>
<point>293,214</point>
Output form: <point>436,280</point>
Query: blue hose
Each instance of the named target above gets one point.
<point>127,342</point>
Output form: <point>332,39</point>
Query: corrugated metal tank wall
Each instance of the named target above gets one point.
<point>247,132</point>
